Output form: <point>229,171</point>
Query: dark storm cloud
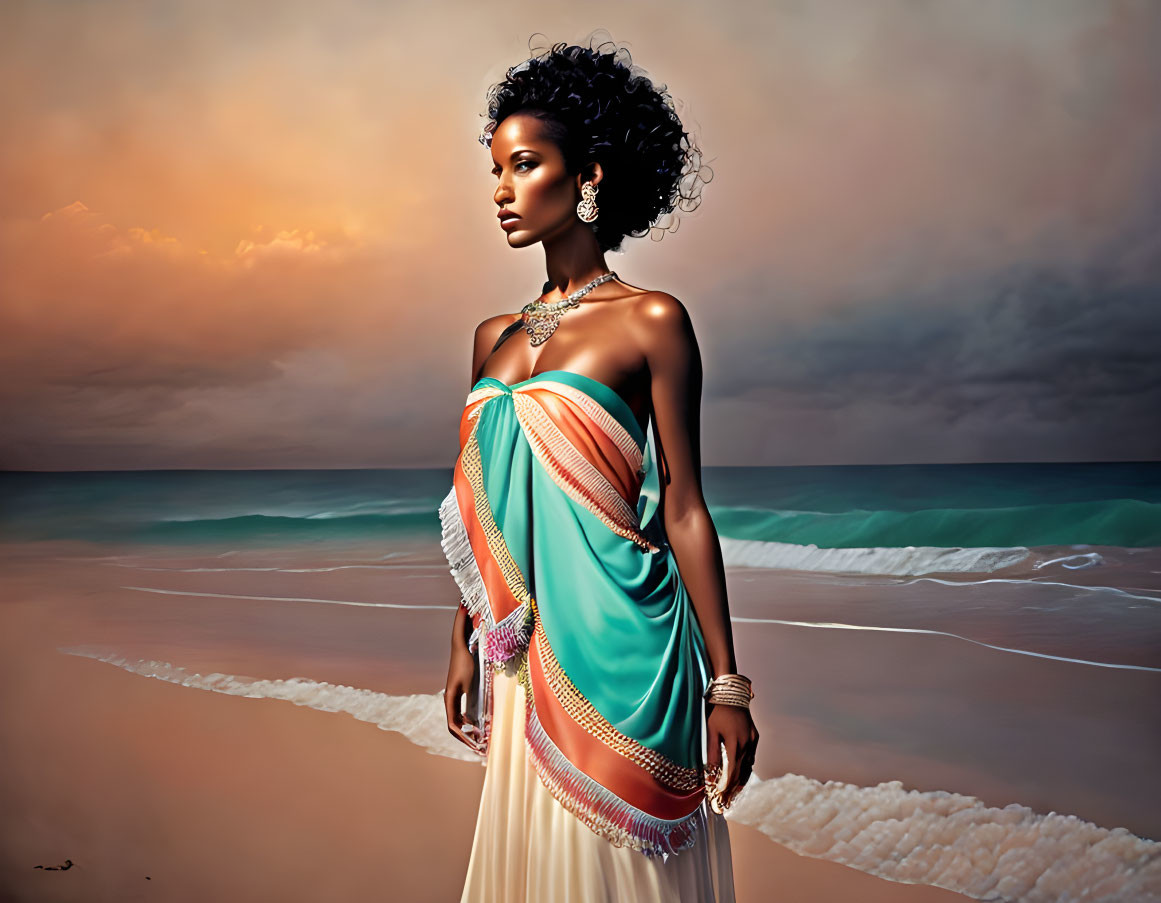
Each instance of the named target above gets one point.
<point>932,234</point>
<point>1029,344</point>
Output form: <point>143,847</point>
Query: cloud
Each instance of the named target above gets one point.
<point>1061,364</point>
<point>110,332</point>
<point>90,304</point>
<point>932,232</point>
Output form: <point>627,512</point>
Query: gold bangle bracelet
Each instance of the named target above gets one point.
<point>741,702</point>
<point>729,689</point>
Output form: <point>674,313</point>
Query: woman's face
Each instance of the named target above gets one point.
<point>533,182</point>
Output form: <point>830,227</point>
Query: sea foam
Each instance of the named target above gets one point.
<point>902,561</point>
<point>932,837</point>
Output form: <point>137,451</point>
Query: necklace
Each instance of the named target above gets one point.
<point>540,319</point>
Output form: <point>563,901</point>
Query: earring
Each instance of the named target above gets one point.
<point>587,208</point>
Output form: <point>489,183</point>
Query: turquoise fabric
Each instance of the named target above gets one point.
<point>618,618</point>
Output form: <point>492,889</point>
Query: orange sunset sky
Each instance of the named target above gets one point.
<point>260,235</point>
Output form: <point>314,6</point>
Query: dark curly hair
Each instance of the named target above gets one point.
<point>598,106</point>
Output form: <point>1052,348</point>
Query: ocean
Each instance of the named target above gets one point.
<point>931,506</point>
<point>957,667</point>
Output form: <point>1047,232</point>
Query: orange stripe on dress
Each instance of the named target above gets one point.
<point>574,473</point>
<point>589,438</point>
<point>610,769</point>
<point>598,413</point>
<point>500,597</point>
<point>470,412</point>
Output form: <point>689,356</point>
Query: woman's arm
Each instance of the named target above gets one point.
<point>671,352</point>
<point>462,663</point>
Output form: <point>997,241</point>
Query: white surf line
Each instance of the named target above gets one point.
<point>833,625</point>
<point>337,567</point>
<point>184,592</point>
<point>935,837</point>
<point>420,717</point>
<point>226,554</point>
<point>1112,589</point>
<point>830,625</point>
<point>119,557</point>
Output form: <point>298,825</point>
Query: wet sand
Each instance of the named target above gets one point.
<point>156,791</point>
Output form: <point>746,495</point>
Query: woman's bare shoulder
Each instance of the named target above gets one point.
<point>655,308</point>
<point>660,324</point>
<point>494,325</point>
<point>488,334</point>
<point>648,305</point>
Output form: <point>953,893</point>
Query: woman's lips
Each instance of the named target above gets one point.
<point>509,221</point>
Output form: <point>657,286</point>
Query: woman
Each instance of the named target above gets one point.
<point>593,610</point>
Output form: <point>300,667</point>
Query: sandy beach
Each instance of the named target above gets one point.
<point>157,791</point>
<point>160,792</point>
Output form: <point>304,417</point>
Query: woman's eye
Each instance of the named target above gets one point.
<point>532,163</point>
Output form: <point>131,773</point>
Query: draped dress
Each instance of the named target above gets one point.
<point>591,662</point>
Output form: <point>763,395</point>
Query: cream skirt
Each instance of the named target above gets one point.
<point>528,847</point>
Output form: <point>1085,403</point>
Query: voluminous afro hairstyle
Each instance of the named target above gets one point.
<point>598,106</point>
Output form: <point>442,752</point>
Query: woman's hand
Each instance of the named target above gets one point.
<point>731,726</point>
<point>460,672</point>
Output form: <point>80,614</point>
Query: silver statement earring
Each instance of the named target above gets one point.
<point>587,208</point>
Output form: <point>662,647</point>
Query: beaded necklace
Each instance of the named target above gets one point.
<point>540,319</point>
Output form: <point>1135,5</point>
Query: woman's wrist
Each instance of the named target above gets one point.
<point>730,689</point>
<point>723,663</point>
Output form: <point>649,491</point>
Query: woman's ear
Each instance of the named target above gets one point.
<point>591,173</point>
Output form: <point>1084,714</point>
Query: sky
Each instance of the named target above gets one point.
<point>261,234</point>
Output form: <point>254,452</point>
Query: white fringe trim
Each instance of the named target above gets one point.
<point>458,549</point>
<point>605,813</point>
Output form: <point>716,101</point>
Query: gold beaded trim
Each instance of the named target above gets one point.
<point>579,709</point>
<point>609,506</point>
<point>473,470</point>
<point>533,416</point>
<point>522,673</point>
<point>599,415</point>
<point>601,810</point>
